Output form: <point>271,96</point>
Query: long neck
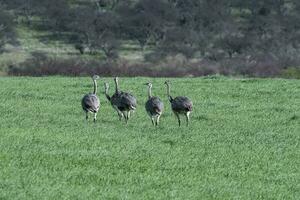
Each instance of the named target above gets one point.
<point>95,86</point>
<point>168,93</point>
<point>149,92</point>
<point>117,86</point>
<point>106,94</point>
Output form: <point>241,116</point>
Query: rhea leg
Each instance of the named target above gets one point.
<point>178,118</point>
<point>95,116</point>
<point>187,115</point>
<point>125,114</point>
<point>118,112</point>
<point>120,115</point>
<point>129,113</point>
<point>157,120</point>
<point>152,120</point>
<point>86,115</point>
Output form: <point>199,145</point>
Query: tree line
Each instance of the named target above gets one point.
<point>215,30</point>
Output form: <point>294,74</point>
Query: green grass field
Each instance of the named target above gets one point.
<point>243,142</point>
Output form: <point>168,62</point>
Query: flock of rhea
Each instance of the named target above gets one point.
<point>125,103</point>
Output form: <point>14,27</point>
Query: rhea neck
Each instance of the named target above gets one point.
<point>106,92</point>
<point>168,92</point>
<point>149,91</point>
<point>117,85</point>
<point>95,86</point>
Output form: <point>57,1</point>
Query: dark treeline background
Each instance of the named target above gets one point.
<point>176,37</point>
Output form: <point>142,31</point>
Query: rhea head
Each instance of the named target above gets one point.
<point>149,85</point>
<point>95,77</point>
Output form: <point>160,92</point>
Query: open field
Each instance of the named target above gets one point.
<point>243,142</point>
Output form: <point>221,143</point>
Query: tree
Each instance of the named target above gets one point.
<point>7,32</point>
<point>95,30</point>
<point>147,21</point>
<point>107,4</point>
<point>25,8</point>
<point>179,41</point>
<point>56,14</point>
<point>105,36</point>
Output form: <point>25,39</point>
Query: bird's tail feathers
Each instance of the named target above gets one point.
<point>189,108</point>
<point>93,110</point>
<point>158,111</point>
<point>132,107</point>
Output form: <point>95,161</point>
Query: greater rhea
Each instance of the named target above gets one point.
<point>123,102</point>
<point>90,102</point>
<point>154,106</point>
<point>180,105</point>
<point>113,100</point>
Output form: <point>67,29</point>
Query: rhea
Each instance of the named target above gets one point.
<point>90,102</point>
<point>123,102</point>
<point>180,105</point>
<point>113,100</point>
<point>154,106</point>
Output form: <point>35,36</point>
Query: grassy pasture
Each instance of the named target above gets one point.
<point>243,142</point>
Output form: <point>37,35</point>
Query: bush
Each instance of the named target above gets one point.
<point>171,66</point>
<point>291,72</point>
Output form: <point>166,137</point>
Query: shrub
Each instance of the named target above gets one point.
<point>171,66</point>
<point>291,72</point>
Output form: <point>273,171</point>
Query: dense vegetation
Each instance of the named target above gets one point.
<point>243,142</point>
<point>195,37</point>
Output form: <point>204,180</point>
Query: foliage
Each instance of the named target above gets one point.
<point>7,32</point>
<point>216,30</point>
<point>292,72</point>
<point>39,64</point>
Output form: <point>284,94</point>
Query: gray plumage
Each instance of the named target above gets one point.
<point>180,105</point>
<point>154,106</point>
<point>90,102</point>
<point>114,100</point>
<point>124,103</point>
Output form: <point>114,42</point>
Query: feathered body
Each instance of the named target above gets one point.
<point>122,102</point>
<point>180,105</point>
<point>90,102</point>
<point>154,106</point>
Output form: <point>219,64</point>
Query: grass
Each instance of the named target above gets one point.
<point>243,142</point>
